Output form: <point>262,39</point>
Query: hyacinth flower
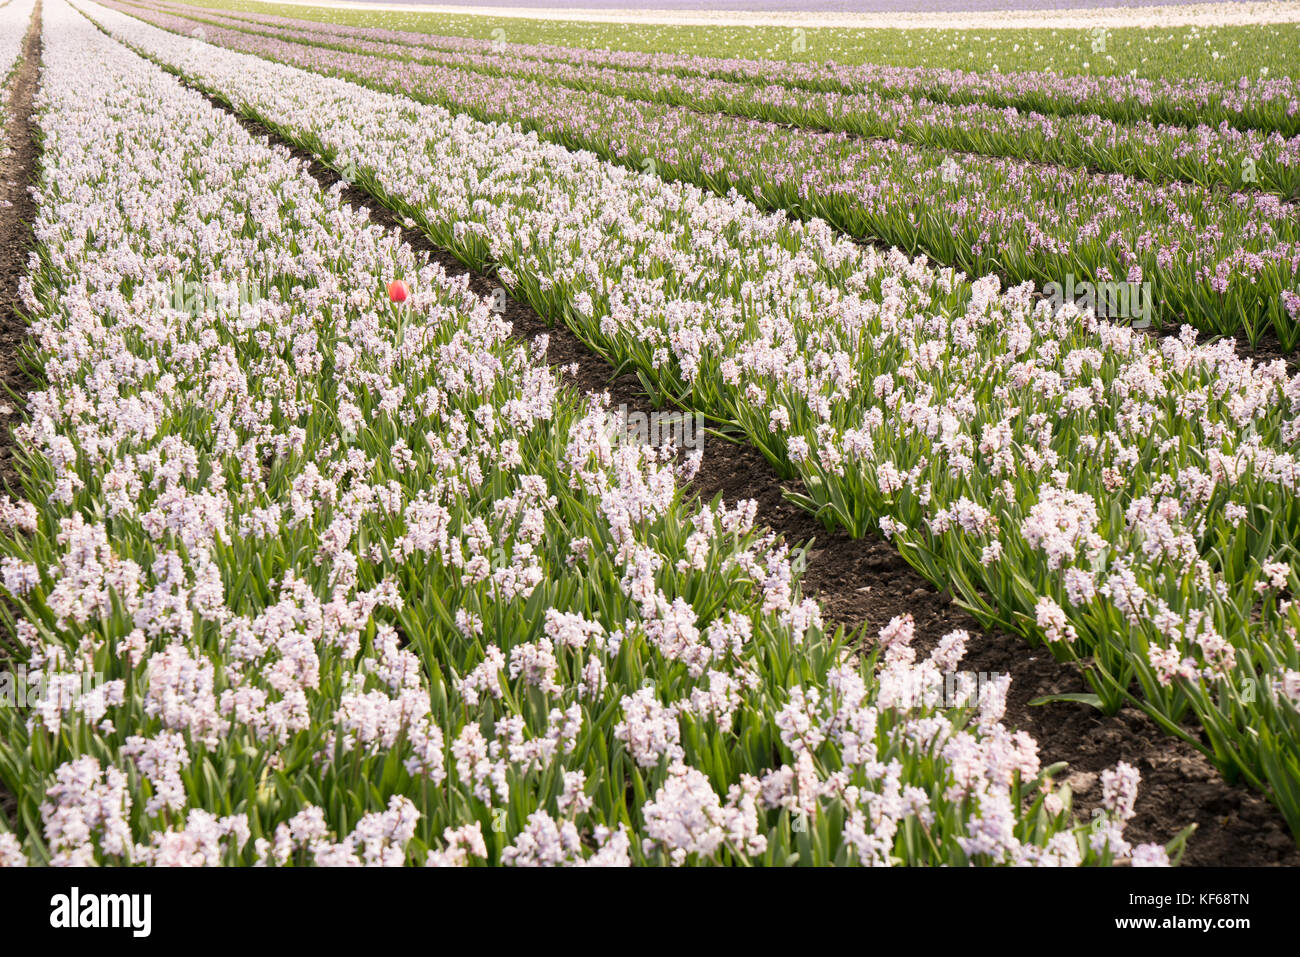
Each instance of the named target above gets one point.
<point>946,413</point>
<point>14,19</point>
<point>1207,155</point>
<point>353,587</point>
<point>1260,102</point>
<point>1227,263</point>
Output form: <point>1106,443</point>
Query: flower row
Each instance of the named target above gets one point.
<point>1132,505</point>
<point>1269,103</point>
<point>15,16</point>
<point>1227,264</point>
<point>1215,157</point>
<point>308,576</point>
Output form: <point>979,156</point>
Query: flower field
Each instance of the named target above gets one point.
<point>315,559</point>
<point>1083,122</point>
<point>14,17</point>
<point>1226,262</point>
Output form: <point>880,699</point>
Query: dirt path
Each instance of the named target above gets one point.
<point>866,581</point>
<point>17,212</point>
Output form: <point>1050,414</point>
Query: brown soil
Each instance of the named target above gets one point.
<point>866,582</point>
<point>17,211</point>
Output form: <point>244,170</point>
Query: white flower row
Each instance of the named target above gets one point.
<point>15,18</point>
<point>1120,498</point>
<point>357,583</point>
<point>1067,477</point>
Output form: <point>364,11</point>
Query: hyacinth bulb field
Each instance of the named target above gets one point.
<point>441,440</point>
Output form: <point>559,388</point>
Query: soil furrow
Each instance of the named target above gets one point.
<point>17,212</point>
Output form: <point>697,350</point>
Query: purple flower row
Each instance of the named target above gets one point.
<point>1226,263</point>
<point>1211,157</point>
<point>1265,103</point>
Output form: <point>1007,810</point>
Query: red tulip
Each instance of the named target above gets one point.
<point>398,290</point>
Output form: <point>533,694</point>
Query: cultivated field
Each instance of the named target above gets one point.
<point>450,440</point>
